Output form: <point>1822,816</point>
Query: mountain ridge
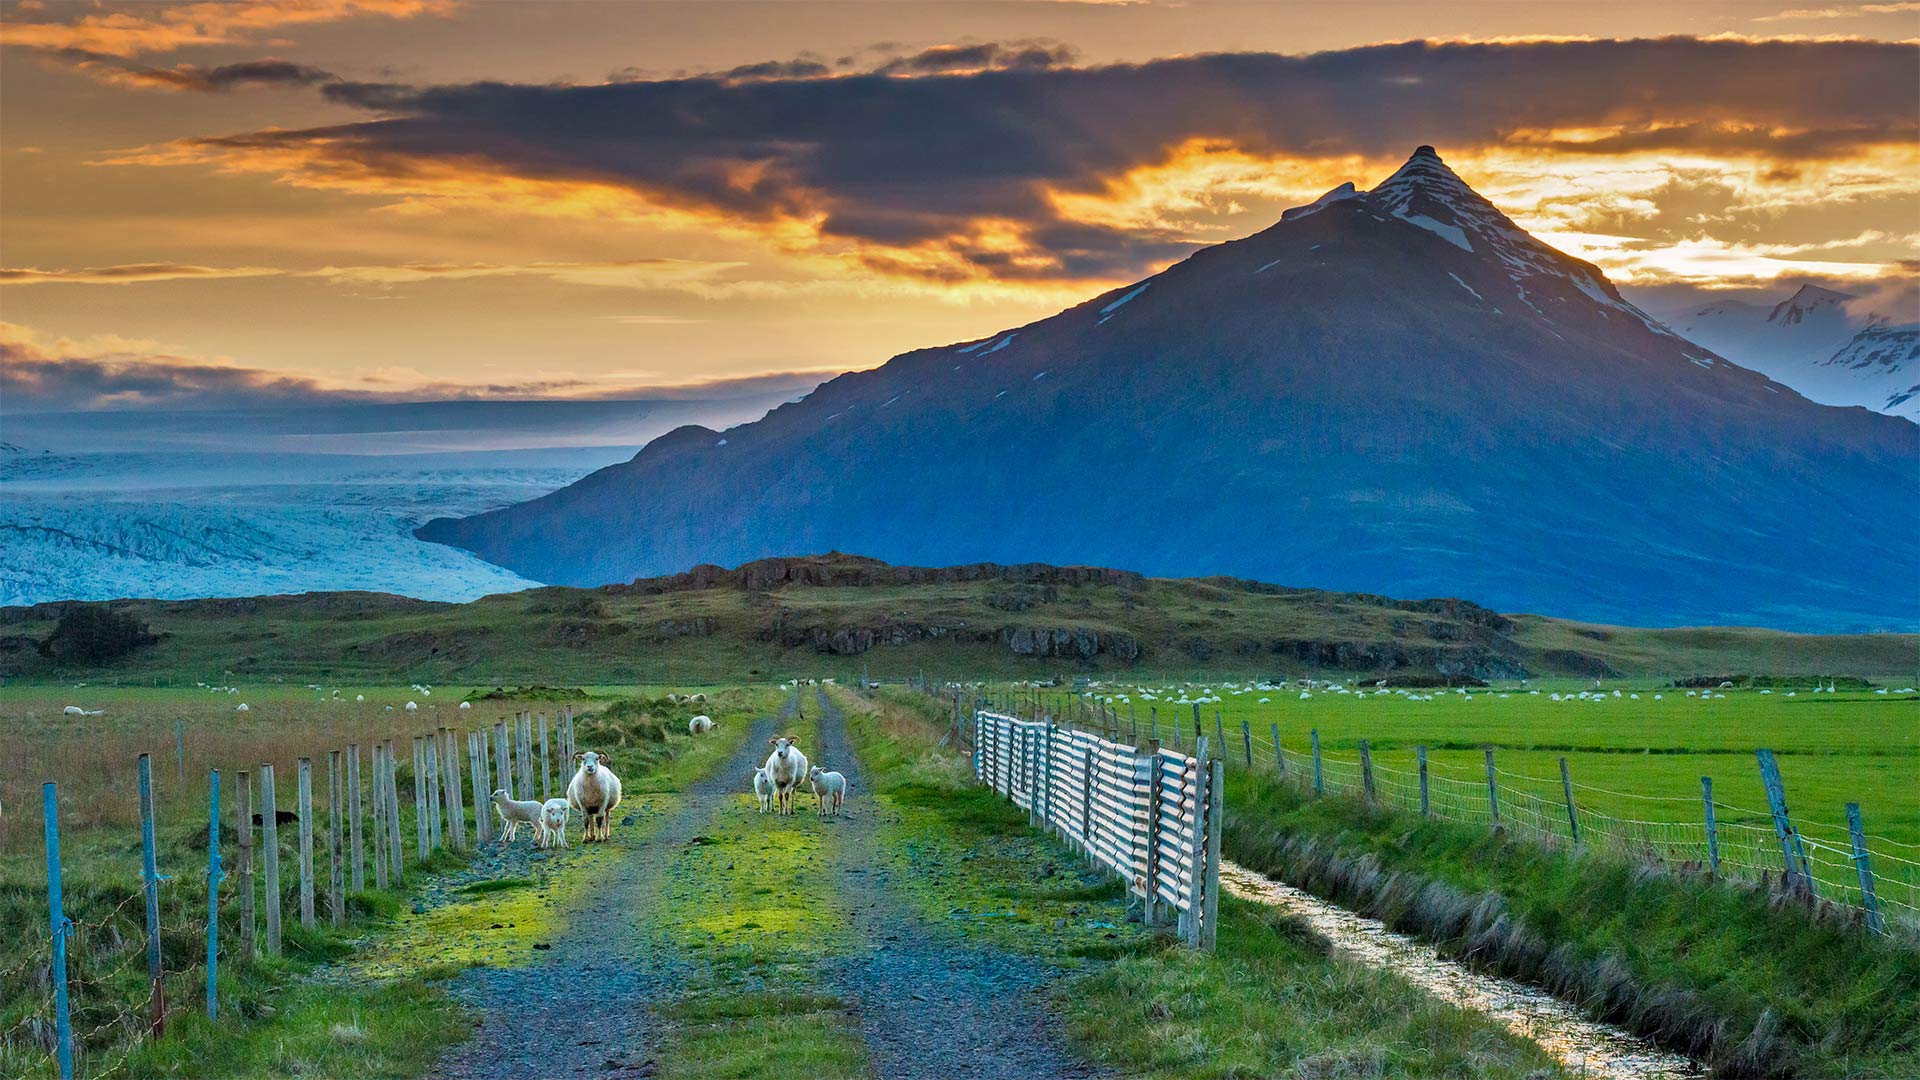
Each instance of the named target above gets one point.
<point>1400,392</point>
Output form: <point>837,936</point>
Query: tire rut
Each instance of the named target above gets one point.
<point>587,1009</point>
<point>927,1006</point>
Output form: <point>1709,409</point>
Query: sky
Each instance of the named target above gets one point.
<point>296,200</point>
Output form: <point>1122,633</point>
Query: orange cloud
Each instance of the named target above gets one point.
<point>166,27</point>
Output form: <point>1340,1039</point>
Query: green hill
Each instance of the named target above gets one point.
<point>839,613</point>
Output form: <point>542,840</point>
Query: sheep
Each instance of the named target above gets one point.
<point>465,705</point>
<point>763,789</point>
<point>514,812</point>
<point>786,767</point>
<point>75,710</point>
<point>242,707</point>
<point>551,828</point>
<point>830,788</point>
<point>594,791</point>
<point>700,725</point>
<point>413,706</point>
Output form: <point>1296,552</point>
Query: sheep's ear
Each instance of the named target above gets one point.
<point>581,756</point>
<point>773,740</point>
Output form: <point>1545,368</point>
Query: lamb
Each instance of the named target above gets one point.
<point>700,725</point>
<point>594,791</point>
<point>75,710</point>
<point>763,789</point>
<point>551,829</point>
<point>514,812</point>
<point>830,788</point>
<point>786,767</point>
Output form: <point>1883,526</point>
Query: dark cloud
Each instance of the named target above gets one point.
<point>779,69</point>
<point>193,77</point>
<point>39,377</point>
<point>990,56</point>
<point>918,162</point>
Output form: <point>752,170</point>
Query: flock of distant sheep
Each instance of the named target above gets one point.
<point>594,792</point>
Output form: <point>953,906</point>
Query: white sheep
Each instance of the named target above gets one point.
<point>514,812</point>
<point>413,706</point>
<point>466,705</point>
<point>551,829</point>
<point>828,787</point>
<point>594,791</point>
<point>763,789</point>
<point>242,707</point>
<point>700,725</point>
<point>786,767</point>
<point>75,710</point>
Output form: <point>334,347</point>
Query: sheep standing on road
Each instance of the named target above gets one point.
<point>786,767</point>
<point>830,788</point>
<point>594,791</point>
<point>516,812</point>
<point>763,789</point>
<point>700,725</point>
<point>551,829</point>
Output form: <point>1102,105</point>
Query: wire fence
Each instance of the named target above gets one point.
<point>92,982</point>
<point>1874,877</point>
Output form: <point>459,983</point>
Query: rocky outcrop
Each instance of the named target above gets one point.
<point>837,570</point>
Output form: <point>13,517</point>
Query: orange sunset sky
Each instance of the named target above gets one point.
<point>433,198</point>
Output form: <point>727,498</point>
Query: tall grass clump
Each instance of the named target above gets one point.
<point>1747,981</point>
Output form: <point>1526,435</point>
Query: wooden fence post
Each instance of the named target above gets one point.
<point>336,863</point>
<point>1319,773</point>
<point>1219,736</point>
<point>420,812</point>
<point>394,850</point>
<point>150,883</point>
<point>304,789</point>
<point>1863,864</point>
<point>1279,755</point>
<point>1493,791</point>
<point>1573,814</point>
<point>214,876</point>
<point>357,877</point>
<point>243,821</point>
<point>1197,837</point>
<point>1713,829</point>
<point>1366,771</point>
<point>503,760</point>
<point>524,748</point>
<point>436,829</point>
<point>1216,787</point>
<point>270,852</point>
<point>1196,726</point>
<point>1426,799</point>
<point>1793,852</point>
<point>1246,741</point>
<point>1150,910</point>
<point>58,928</point>
<point>476,780</point>
<point>456,799</point>
<point>377,793</point>
<point>546,770</point>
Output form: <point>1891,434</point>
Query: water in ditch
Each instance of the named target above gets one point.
<point>1585,1047</point>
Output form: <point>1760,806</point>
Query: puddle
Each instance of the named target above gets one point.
<point>1585,1047</point>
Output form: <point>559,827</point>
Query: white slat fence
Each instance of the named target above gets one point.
<point>1151,817</point>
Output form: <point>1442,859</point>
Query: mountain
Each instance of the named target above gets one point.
<point>1398,392</point>
<point>1819,343</point>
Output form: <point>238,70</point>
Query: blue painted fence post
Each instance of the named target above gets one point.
<point>215,875</point>
<point>150,882</point>
<point>59,927</point>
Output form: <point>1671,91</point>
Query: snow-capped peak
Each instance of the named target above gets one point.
<point>1426,193</point>
<point>1809,299</point>
<point>1344,191</point>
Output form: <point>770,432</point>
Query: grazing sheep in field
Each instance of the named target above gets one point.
<point>763,789</point>
<point>514,812</point>
<point>786,767</point>
<point>242,707</point>
<point>75,710</point>
<point>551,829</point>
<point>700,725</point>
<point>413,706</point>
<point>594,791</point>
<point>830,788</point>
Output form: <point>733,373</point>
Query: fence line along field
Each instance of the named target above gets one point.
<point>1635,756</point>
<point>131,910</point>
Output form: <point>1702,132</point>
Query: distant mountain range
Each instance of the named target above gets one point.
<point>1819,342</point>
<point>1395,391</point>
